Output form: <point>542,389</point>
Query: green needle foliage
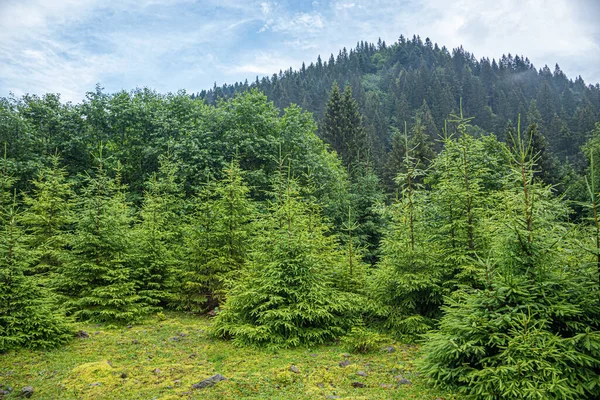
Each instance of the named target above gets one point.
<point>532,332</point>
<point>27,316</point>
<point>217,241</point>
<point>159,234</point>
<point>49,220</point>
<point>286,296</point>
<point>99,277</point>
<point>409,277</point>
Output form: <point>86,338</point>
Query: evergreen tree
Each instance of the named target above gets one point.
<point>27,316</point>
<point>49,220</point>
<point>218,240</point>
<point>408,278</point>
<point>532,331</point>
<point>158,236</point>
<point>99,277</point>
<point>286,296</point>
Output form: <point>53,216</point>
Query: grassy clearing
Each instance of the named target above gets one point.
<point>162,358</point>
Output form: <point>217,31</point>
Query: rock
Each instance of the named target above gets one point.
<point>321,384</point>
<point>27,391</point>
<point>157,371</point>
<point>333,397</point>
<point>177,382</point>
<point>129,326</point>
<point>193,355</point>
<point>175,339</point>
<point>208,382</point>
<point>386,385</point>
<point>345,355</point>
<point>404,381</point>
<point>314,355</point>
<point>97,332</point>
<point>182,334</point>
<point>82,335</point>
<point>344,363</point>
<point>358,385</point>
<point>362,373</point>
<point>135,341</point>
<point>96,384</point>
<point>389,349</point>
<point>294,369</point>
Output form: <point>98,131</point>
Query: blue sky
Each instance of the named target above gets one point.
<point>67,46</point>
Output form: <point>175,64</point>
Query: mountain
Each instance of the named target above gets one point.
<point>394,83</point>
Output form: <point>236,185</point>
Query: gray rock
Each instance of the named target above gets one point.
<point>389,349</point>
<point>294,369</point>
<point>314,355</point>
<point>27,391</point>
<point>404,381</point>
<point>345,355</point>
<point>358,385</point>
<point>82,335</point>
<point>4,393</point>
<point>344,363</point>
<point>386,385</point>
<point>157,371</point>
<point>321,384</point>
<point>362,373</point>
<point>208,382</point>
<point>134,341</point>
<point>96,384</point>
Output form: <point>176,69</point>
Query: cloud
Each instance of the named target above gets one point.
<point>67,46</point>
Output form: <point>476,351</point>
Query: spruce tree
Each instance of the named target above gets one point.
<point>159,234</point>
<point>286,296</point>
<point>27,316</point>
<point>49,221</point>
<point>532,331</point>
<point>98,277</point>
<point>408,278</point>
<point>218,240</point>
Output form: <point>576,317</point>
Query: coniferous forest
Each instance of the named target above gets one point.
<point>397,190</point>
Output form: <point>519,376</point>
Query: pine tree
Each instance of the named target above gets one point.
<point>286,295</point>
<point>158,236</point>
<point>98,278</point>
<point>27,316</point>
<point>49,220</point>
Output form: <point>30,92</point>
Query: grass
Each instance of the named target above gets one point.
<point>163,357</point>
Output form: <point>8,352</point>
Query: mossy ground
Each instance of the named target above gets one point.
<point>163,357</point>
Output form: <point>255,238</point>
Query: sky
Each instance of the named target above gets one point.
<point>68,46</point>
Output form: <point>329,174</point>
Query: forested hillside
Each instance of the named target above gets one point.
<point>438,199</point>
<point>412,80</point>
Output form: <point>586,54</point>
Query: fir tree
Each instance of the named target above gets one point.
<point>27,316</point>
<point>532,331</point>
<point>218,240</point>
<point>99,278</point>
<point>286,295</point>
<point>158,235</point>
<point>49,220</point>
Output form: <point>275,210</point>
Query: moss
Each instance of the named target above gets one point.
<point>125,363</point>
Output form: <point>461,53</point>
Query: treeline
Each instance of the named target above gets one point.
<point>132,203</point>
<point>414,80</point>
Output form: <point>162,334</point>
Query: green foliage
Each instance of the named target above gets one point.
<point>27,316</point>
<point>99,278</point>
<point>285,296</point>
<point>363,340</point>
<point>217,241</point>
<point>49,220</point>
<point>408,279</point>
<point>158,235</point>
<point>532,331</point>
